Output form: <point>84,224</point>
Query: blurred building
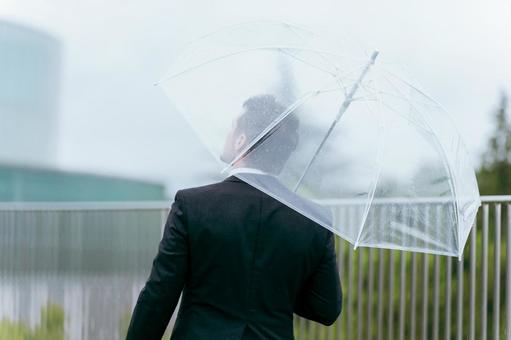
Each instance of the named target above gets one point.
<point>39,184</point>
<point>29,95</point>
<point>30,76</point>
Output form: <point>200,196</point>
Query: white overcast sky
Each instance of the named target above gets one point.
<point>114,121</point>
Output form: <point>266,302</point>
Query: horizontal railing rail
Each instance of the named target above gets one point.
<point>73,206</point>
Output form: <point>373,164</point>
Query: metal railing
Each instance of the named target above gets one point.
<point>74,268</point>
<point>393,294</point>
<point>83,257</point>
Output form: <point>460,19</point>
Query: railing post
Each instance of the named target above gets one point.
<point>425,283</point>
<point>390,320</point>
<point>340,262</point>
<point>425,294</point>
<point>436,288</point>
<point>473,241</point>
<point>163,216</point>
<point>381,264</point>
<point>448,275</point>
<point>496,274</point>
<point>370,287</point>
<point>301,328</point>
<point>413,292</point>
<point>459,309</point>
<point>484,269</point>
<point>402,296</point>
<point>360,315</point>
<point>349,309</point>
<point>508,275</point>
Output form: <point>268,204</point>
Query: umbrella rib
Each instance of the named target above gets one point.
<point>307,63</point>
<point>442,153</point>
<point>381,145</point>
<point>405,99</point>
<point>322,56</point>
<point>293,29</point>
<point>269,47</point>
<point>342,110</point>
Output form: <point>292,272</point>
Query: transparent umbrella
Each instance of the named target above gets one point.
<point>330,131</point>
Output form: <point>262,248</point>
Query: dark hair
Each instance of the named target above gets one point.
<point>261,111</point>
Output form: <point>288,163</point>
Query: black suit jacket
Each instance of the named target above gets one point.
<point>244,263</point>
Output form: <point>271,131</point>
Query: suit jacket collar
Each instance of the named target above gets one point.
<point>232,179</point>
<point>244,170</point>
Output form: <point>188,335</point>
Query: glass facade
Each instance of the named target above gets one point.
<point>37,185</point>
<point>30,64</point>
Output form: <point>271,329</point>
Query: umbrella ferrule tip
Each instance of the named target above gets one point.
<point>374,55</point>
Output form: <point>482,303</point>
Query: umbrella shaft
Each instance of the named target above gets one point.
<point>342,110</point>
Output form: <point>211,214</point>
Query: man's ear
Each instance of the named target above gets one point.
<point>240,141</point>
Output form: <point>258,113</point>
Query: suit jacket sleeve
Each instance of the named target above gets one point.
<point>160,295</point>
<point>321,298</point>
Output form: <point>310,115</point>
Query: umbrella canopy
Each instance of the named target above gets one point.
<point>330,131</point>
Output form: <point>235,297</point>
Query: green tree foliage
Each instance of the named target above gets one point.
<point>52,323</point>
<point>14,330</point>
<point>51,326</point>
<point>494,176</point>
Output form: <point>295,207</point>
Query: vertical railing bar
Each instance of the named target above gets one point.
<point>360,317</point>
<point>320,332</point>
<point>402,297</point>
<point>301,327</point>
<point>390,303</point>
<point>459,309</point>
<point>340,262</point>
<point>508,275</point>
<point>413,296</point>
<point>342,265</point>
<point>413,292</point>
<point>383,214</point>
<point>473,242</point>
<point>381,262</point>
<point>351,274</point>
<point>484,269</point>
<point>311,329</point>
<point>349,316</point>
<point>163,220</point>
<point>496,274</point>
<point>448,278</point>
<point>425,288</point>
<point>390,316</point>
<point>436,298</point>
<point>296,327</point>
<point>436,287</point>
<point>370,286</point>
<point>330,330</point>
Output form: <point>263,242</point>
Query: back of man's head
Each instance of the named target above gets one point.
<point>272,152</point>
